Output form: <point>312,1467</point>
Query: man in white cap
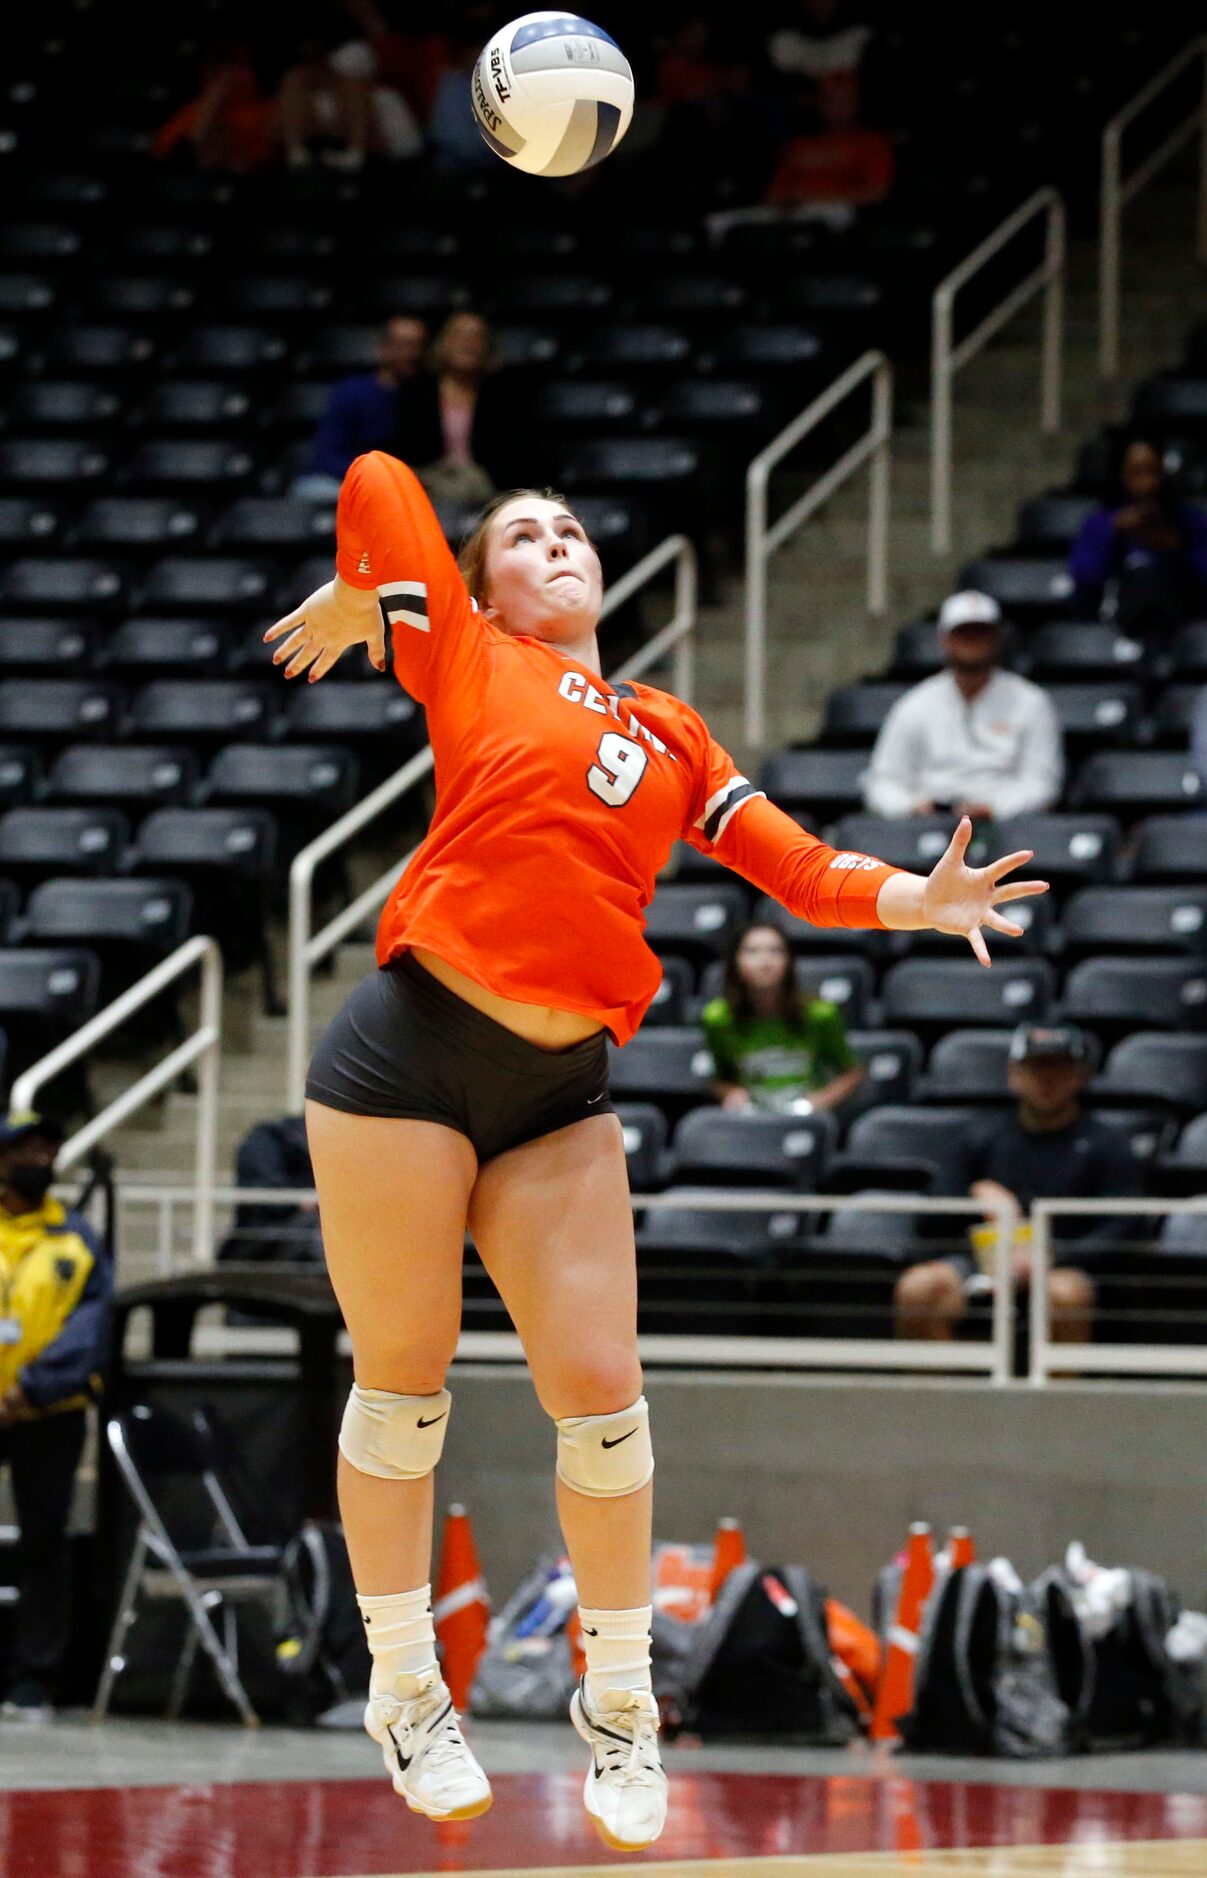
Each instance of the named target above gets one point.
<point>974,739</point>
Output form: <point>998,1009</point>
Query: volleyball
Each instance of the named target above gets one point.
<point>552,94</point>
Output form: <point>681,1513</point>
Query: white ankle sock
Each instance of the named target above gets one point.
<point>616,1645</point>
<point>400,1635</point>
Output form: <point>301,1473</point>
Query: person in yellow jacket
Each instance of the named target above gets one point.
<point>56,1287</point>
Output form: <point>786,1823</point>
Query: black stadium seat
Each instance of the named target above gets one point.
<point>1171,848</point>
<point>183,405</point>
<point>66,581</point>
<point>20,774</point>
<point>26,519</point>
<point>635,348</point>
<point>1053,520</point>
<point>230,585</point>
<point>696,921</point>
<point>1172,402</point>
<point>44,647</point>
<point>1136,919</point>
<point>136,776</point>
<point>914,1137</point>
<point>969,1066</point>
<point>1082,649</point>
<point>1152,1066</point>
<point>673,1001</point>
<point>129,924</point>
<point>227,856</point>
<point>226,349</point>
<point>116,348</point>
<point>892,1060</point>
<point>1093,714</point>
<point>646,1154</point>
<point>1116,994</point>
<point>855,713</point>
<point>376,712</point>
<point>671,1067</point>
<point>1175,715</point>
<point>305,783</point>
<point>66,462</point>
<point>137,524</point>
<point>915,842</point>
<point>930,995</point>
<point>200,709</point>
<point>1023,585</point>
<point>805,939</point>
<point>59,710</point>
<point>1188,653</point>
<point>1132,783</point>
<point>1069,849</point>
<point>845,979</point>
<point>824,783</point>
<point>717,1147</point>
<point>45,994</point>
<point>208,466</point>
<point>146,648</point>
<point>39,841</point>
<point>271,522</point>
<point>63,404</point>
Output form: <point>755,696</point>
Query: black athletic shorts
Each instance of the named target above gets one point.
<point>406,1046</point>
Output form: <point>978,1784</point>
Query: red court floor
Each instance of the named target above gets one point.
<point>358,1829</point>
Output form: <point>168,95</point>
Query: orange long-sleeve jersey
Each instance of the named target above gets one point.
<point>558,795</point>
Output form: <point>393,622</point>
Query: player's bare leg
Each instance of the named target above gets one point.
<point>393,1197</point>
<point>554,1227</point>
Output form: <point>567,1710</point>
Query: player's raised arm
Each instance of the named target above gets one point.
<point>734,822</point>
<point>394,570</point>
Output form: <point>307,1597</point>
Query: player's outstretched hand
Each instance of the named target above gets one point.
<point>961,899</point>
<point>334,618</point>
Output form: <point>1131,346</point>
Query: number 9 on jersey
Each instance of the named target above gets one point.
<point>618,768</point>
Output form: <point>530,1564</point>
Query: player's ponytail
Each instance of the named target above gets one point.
<point>472,558</point>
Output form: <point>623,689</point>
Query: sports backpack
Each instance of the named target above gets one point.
<point>758,1663</point>
<point>321,1648</point>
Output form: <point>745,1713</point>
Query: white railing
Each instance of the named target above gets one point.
<point>762,539</point>
<point>1103,1359</point>
<point>201,1046</point>
<point>1116,192</point>
<point>947,358</point>
<point>308,948</point>
<point>993,1359</point>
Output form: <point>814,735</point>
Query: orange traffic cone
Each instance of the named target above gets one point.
<point>961,1548</point>
<point>462,1608</point>
<point>729,1549</point>
<point>896,1691</point>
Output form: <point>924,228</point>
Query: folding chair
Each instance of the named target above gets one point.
<point>149,1444</point>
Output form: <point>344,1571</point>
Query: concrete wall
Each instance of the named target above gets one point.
<point>829,1472</point>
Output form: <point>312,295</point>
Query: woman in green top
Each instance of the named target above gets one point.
<point>773,1045</point>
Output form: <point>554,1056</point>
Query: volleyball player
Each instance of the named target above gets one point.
<point>465,1082</point>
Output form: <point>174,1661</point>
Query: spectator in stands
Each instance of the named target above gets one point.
<point>364,412</point>
<point>1047,1150</point>
<point>55,1293</point>
<point>838,167</point>
<point>230,125</point>
<point>336,91</point>
<point>973,740</point>
<point>774,1045</point>
<point>456,427</point>
<point>453,137</point>
<point>1142,559</point>
<point>820,51</point>
<point>275,1155</point>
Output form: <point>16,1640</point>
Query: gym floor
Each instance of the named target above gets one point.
<point>139,1799</point>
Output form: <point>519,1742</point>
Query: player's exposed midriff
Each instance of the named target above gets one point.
<point>548,1028</point>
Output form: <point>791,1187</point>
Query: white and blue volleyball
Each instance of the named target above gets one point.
<point>552,93</point>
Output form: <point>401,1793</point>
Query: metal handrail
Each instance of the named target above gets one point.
<point>947,358</point>
<point>307,948</point>
<point>1115,193</point>
<point>205,1042</point>
<point>993,1359</point>
<point>763,540</point>
<point>1132,1359</point>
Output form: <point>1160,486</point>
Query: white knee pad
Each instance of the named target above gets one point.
<point>604,1456</point>
<point>394,1437</point>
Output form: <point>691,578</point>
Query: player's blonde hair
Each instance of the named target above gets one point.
<point>472,558</point>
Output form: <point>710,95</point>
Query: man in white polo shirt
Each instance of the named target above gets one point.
<point>973,739</point>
